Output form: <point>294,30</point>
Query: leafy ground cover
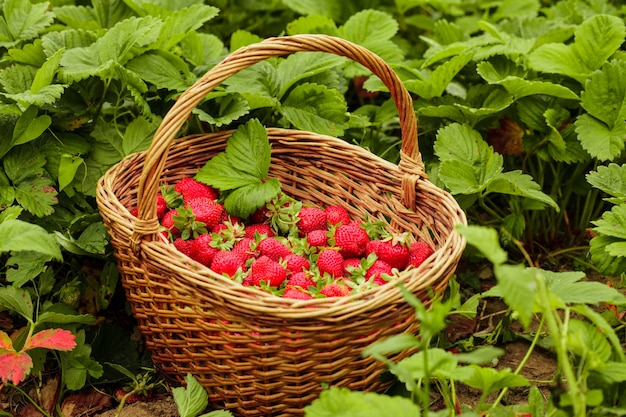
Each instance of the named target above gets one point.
<point>522,119</point>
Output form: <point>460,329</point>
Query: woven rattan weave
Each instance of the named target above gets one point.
<point>258,354</point>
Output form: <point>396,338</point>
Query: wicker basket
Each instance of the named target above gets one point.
<point>258,354</point>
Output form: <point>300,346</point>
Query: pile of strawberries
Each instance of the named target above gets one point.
<point>286,248</point>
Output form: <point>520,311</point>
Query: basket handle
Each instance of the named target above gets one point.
<point>410,159</point>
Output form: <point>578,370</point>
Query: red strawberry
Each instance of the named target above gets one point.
<point>168,222</point>
<point>161,206</point>
<point>183,246</point>
<point>337,214</point>
<point>311,218</point>
<point>273,248</point>
<point>246,246</point>
<point>260,216</point>
<point>300,279</point>
<point>191,188</point>
<point>262,229</point>
<point>296,263</point>
<point>207,211</point>
<point>351,239</point>
<point>419,252</point>
<point>335,290</point>
<point>395,254</point>
<point>317,238</point>
<point>228,262</point>
<point>330,261</point>
<point>202,251</point>
<point>296,294</point>
<point>266,269</point>
<point>376,271</point>
<point>350,263</point>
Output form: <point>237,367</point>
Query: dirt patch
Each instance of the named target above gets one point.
<point>161,407</point>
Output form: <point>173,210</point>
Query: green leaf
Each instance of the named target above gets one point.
<point>68,165</point>
<point>441,364</point>
<point>496,101</point>
<point>602,131</point>
<point>108,283</point>
<point>341,402</point>
<point>17,235</point>
<point>25,266</point>
<point>610,179</point>
<point>316,108</point>
<point>23,21</point>
<point>17,300</point>
<point>245,200</point>
<point>192,400</point>
<point>330,8</point>
<point>303,65</point>
<point>596,39</point>
<point>30,54</point>
<point>313,24</point>
<point>612,223</point>
<point>260,80</point>
<point>480,355</point>
<point>163,69</point>
<point>468,163</point>
<point>17,79</point>
<point>585,341</point>
<point>606,263</point>
<point>485,239</point>
<point>518,286</point>
<point>569,288</point>
<point>221,108</point>
<point>521,87</point>
<point>61,318</point>
<point>439,79</point>
<point>45,74</point>
<point>138,134</point>
<point>517,183</point>
<point>180,23</point>
<point>489,380</point>
<point>241,38</point>
<point>391,344</point>
<point>201,48</point>
<point>37,195</point>
<point>30,126</point>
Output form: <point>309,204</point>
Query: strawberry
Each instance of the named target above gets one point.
<point>228,262</point>
<point>311,218</point>
<point>317,238</point>
<point>168,222</point>
<point>190,188</point>
<point>245,246</point>
<point>260,216</point>
<point>376,271</point>
<point>395,254</point>
<point>183,246</point>
<point>330,261</point>
<point>161,206</point>
<point>350,264</point>
<point>419,252</point>
<point>262,229</point>
<point>337,214</point>
<point>351,240</point>
<point>268,270</point>
<point>273,248</point>
<point>201,249</point>
<point>300,279</point>
<point>335,290</point>
<point>296,263</point>
<point>296,294</point>
<point>206,211</point>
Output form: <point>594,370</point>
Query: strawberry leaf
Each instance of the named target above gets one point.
<point>244,201</point>
<point>192,399</point>
<point>17,300</point>
<point>58,339</point>
<point>14,366</point>
<point>5,342</point>
<point>610,179</point>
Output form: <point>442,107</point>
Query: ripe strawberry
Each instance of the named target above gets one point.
<point>335,290</point>
<point>260,216</point>
<point>273,248</point>
<point>296,294</point>
<point>268,270</point>
<point>300,279</point>
<point>351,239</point>
<point>168,223</point>
<point>206,210</point>
<point>395,254</point>
<point>419,252</point>
<point>262,229</point>
<point>246,246</point>
<point>161,206</point>
<point>337,214</point>
<point>311,218</point>
<point>201,249</point>
<point>376,271</point>
<point>330,261</point>
<point>349,264</point>
<point>317,238</point>
<point>228,262</point>
<point>296,263</point>
<point>190,188</point>
<point>183,246</point>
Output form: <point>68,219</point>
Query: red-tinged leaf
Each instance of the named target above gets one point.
<point>58,339</point>
<point>5,342</point>
<point>14,366</point>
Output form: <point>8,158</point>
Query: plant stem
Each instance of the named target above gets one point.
<point>33,402</point>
